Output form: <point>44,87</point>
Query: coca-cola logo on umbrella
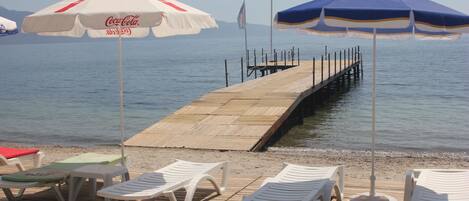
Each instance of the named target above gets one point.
<point>128,21</point>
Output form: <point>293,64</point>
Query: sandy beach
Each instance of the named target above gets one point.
<point>249,169</point>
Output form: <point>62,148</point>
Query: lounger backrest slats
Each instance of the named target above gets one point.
<point>151,185</point>
<point>296,183</point>
<point>448,185</point>
<point>304,173</point>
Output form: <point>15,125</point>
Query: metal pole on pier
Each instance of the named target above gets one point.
<point>242,67</point>
<point>298,56</point>
<point>226,73</point>
<point>314,71</point>
<point>335,63</point>
<point>329,65</point>
<point>242,23</point>
<point>247,63</point>
<point>322,68</point>
<point>340,61</point>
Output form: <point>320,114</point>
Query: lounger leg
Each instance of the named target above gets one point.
<point>326,192</point>
<point>341,186</point>
<point>409,185</point>
<point>21,193</point>
<point>192,187</point>
<point>224,181</point>
<point>170,196</point>
<point>92,183</point>
<point>20,166</point>
<point>338,193</point>
<point>58,193</point>
<point>9,194</point>
<point>74,188</point>
<point>107,182</point>
<point>125,177</point>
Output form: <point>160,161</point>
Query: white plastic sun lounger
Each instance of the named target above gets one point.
<point>51,176</point>
<point>436,185</point>
<point>8,185</point>
<point>37,159</point>
<point>164,182</point>
<point>302,183</point>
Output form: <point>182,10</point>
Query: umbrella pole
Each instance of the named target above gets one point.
<point>121,95</point>
<point>373,119</point>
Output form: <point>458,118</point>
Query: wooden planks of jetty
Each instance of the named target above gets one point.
<point>245,116</point>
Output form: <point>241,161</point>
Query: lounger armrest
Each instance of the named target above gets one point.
<point>38,159</point>
<point>269,180</point>
<point>410,182</point>
<point>341,181</point>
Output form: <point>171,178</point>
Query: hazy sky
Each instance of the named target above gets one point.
<point>225,10</point>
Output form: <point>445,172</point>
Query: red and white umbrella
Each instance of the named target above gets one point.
<point>118,19</point>
<point>104,18</point>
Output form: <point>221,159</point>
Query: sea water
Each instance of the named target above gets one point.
<point>68,93</point>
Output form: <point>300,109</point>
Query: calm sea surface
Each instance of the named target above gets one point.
<point>67,93</point>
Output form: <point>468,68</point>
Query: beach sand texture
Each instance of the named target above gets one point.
<point>249,169</point>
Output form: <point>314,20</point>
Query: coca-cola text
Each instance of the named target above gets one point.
<point>127,21</point>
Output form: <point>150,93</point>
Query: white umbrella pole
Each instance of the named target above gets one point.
<point>373,119</point>
<point>121,94</point>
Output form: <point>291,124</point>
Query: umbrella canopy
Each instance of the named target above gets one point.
<point>103,18</point>
<point>118,19</point>
<point>425,15</point>
<point>7,27</point>
<point>390,19</point>
<point>367,33</point>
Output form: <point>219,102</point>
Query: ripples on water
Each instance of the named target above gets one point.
<point>68,93</point>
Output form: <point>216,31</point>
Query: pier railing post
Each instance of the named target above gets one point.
<point>292,56</point>
<point>298,56</point>
<point>255,64</point>
<point>262,53</point>
<point>242,67</point>
<point>345,58</point>
<point>348,57</point>
<point>275,57</point>
<point>226,73</point>
<point>361,63</point>
<point>247,64</point>
<point>340,61</point>
<point>353,55</point>
<point>285,59</point>
<point>335,63</point>
<point>322,68</point>
<point>329,65</point>
<point>314,71</point>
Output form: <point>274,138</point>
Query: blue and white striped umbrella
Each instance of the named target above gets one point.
<point>7,27</point>
<point>387,19</point>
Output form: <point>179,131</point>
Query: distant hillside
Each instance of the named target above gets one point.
<point>226,29</point>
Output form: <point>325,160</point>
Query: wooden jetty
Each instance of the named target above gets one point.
<point>245,116</point>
